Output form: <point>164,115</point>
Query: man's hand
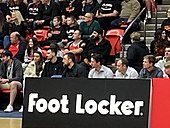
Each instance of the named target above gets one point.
<point>3,81</point>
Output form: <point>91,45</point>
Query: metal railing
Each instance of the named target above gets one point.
<point>127,29</point>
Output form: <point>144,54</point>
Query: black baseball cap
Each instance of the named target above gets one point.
<point>7,53</point>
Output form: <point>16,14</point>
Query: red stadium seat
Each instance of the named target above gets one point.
<point>115,36</point>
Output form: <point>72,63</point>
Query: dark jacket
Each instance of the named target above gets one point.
<point>76,71</point>
<point>103,48</point>
<point>74,10</point>
<point>135,54</point>
<point>48,14</point>
<point>51,69</point>
<point>155,73</point>
<point>17,74</point>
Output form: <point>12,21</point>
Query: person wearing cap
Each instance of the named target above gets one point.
<point>97,44</point>
<point>11,77</point>
<point>149,70</point>
<point>167,69</point>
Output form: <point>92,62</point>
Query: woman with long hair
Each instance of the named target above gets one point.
<point>34,69</point>
<point>157,46</point>
<point>29,52</point>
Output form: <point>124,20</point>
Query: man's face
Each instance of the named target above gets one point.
<point>120,67</point>
<point>66,60</point>
<point>45,2</point>
<point>76,35</point>
<point>168,13</point>
<point>94,64</point>
<point>146,64</point>
<point>167,71</point>
<point>55,22</point>
<point>167,53</point>
<point>87,17</point>
<point>69,21</point>
<point>50,55</point>
<point>5,58</point>
<point>13,38</point>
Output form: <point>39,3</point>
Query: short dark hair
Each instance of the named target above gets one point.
<point>97,57</point>
<point>151,58</point>
<point>124,61</point>
<point>71,56</point>
<point>7,53</point>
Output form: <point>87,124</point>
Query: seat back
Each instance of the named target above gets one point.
<point>41,34</point>
<point>115,37</point>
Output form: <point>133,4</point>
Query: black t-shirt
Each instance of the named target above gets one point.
<point>108,6</point>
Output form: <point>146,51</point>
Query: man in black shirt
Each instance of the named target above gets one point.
<point>71,68</point>
<point>54,66</point>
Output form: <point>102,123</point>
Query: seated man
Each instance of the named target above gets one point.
<point>149,70</point>
<point>166,23</point>
<point>98,70</point>
<point>72,69</point>
<point>88,25</point>
<point>124,71</point>
<point>167,69</point>
<point>97,44</point>
<point>17,46</point>
<point>130,9</point>
<point>11,77</point>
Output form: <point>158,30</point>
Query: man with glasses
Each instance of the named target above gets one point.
<point>166,23</point>
<point>88,25</point>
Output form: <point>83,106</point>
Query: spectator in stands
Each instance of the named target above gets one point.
<point>167,69</point>
<point>130,9</point>
<point>124,71</point>
<point>108,11</point>
<point>54,66</point>
<point>149,70</point>
<point>17,46</point>
<point>165,59</point>
<point>32,46</point>
<point>136,52</point>
<point>157,46</point>
<point>91,6</point>
<point>72,26</point>
<point>98,70</point>
<point>32,12</point>
<point>71,8</point>
<point>16,23</point>
<point>3,7</point>
<point>11,77</point>
<point>35,67</point>
<point>47,9</point>
<point>57,33</point>
<point>17,5</point>
<point>2,20</point>
<point>76,47</point>
<point>72,69</point>
<point>166,23</point>
<point>88,25</point>
<point>97,44</point>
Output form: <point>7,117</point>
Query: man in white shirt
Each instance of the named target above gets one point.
<point>98,70</point>
<point>124,71</point>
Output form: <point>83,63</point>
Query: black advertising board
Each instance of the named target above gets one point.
<point>86,103</point>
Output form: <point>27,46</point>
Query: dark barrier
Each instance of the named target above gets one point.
<point>84,103</point>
